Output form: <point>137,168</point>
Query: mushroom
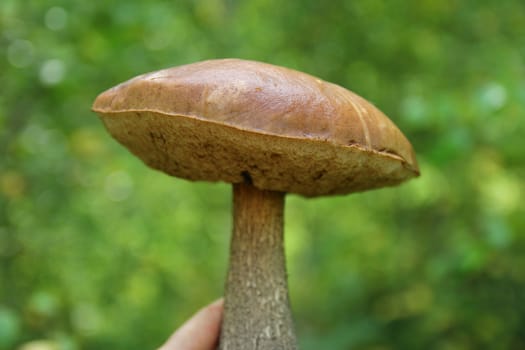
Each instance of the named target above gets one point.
<point>269,131</point>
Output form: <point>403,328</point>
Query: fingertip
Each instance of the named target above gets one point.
<point>201,331</point>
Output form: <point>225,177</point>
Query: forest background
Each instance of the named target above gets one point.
<point>99,252</point>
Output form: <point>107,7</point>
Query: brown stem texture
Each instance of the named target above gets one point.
<point>257,312</point>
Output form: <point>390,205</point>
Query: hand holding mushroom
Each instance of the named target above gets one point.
<point>269,131</point>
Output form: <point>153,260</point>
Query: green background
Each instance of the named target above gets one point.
<point>99,252</point>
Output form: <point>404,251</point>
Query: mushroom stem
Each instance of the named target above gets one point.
<point>257,310</point>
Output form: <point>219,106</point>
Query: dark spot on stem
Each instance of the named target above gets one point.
<point>247,177</point>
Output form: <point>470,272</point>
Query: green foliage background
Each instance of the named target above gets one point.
<point>99,252</point>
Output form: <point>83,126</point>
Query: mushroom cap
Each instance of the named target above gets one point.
<point>231,119</point>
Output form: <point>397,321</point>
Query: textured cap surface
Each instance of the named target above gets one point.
<point>228,119</point>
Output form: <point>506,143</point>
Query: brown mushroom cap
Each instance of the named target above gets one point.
<point>225,120</point>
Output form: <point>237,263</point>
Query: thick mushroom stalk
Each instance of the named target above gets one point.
<point>257,310</point>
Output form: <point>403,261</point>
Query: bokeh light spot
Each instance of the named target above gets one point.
<point>119,186</point>
<point>40,345</point>
<point>52,72</point>
<point>86,319</point>
<point>20,53</point>
<point>56,18</point>
<point>414,110</point>
<point>9,327</point>
<point>494,95</point>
